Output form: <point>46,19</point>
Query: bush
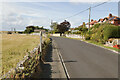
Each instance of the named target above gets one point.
<point>111,31</point>
<point>84,29</point>
<point>87,37</point>
<point>78,32</point>
<point>101,33</point>
<point>9,32</point>
<point>96,25</point>
<point>29,30</point>
<point>67,32</point>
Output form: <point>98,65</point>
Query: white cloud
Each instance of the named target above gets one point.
<point>34,0</point>
<point>19,17</point>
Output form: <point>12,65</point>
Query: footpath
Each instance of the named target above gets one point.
<point>53,67</point>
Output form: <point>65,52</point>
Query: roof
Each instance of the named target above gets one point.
<point>101,20</point>
<point>92,22</point>
<point>112,18</point>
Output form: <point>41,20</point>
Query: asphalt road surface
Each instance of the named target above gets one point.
<point>84,60</point>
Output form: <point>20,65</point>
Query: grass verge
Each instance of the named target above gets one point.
<point>96,43</point>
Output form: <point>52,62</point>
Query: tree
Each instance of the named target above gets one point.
<point>63,27</point>
<point>29,30</point>
<point>54,26</point>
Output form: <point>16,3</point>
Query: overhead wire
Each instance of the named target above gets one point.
<point>84,10</point>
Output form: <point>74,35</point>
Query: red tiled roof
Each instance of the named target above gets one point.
<point>114,17</point>
<point>101,20</point>
<point>93,22</point>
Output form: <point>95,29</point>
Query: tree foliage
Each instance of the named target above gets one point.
<point>82,29</point>
<point>54,26</point>
<point>63,27</point>
<point>60,28</point>
<point>30,29</point>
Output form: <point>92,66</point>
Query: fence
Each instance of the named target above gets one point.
<point>75,36</point>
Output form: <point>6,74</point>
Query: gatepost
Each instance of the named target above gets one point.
<point>40,46</point>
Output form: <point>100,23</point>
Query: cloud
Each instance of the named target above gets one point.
<point>34,0</point>
<point>19,17</point>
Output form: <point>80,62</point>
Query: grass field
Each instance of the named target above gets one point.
<point>15,47</point>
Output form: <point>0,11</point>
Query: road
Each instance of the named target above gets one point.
<point>84,60</point>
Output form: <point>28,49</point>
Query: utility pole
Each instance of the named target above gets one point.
<point>89,17</point>
<point>51,23</point>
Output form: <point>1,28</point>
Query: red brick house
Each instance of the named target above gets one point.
<point>112,19</point>
<point>101,20</point>
<point>93,22</point>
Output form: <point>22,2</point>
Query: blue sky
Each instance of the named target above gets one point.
<point>21,14</point>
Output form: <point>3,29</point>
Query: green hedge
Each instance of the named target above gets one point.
<point>111,31</point>
<point>102,32</point>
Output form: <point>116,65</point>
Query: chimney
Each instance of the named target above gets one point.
<point>110,15</point>
<point>91,20</point>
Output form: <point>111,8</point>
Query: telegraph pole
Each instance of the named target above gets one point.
<point>51,23</point>
<point>89,17</point>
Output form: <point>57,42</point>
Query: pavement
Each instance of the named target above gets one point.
<point>83,60</point>
<point>52,67</point>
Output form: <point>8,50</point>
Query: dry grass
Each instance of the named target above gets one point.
<point>15,47</point>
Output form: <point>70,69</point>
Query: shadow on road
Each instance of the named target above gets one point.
<point>69,61</point>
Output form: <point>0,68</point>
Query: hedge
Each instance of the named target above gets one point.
<point>111,31</point>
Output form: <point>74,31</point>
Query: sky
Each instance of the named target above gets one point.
<point>19,14</point>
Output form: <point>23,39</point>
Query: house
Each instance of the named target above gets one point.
<point>101,20</point>
<point>111,19</point>
<point>73,30</point>
<point>93,22</point>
